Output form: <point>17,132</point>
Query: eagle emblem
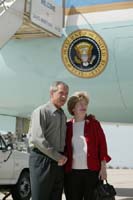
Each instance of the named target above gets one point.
<point>84,54</point>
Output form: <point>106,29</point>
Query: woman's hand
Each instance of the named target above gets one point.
<point>103,171</point>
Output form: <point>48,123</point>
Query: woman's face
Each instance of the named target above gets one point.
<point>80,108</point>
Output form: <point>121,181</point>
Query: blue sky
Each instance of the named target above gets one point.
<point>58,2</point>
<point>78,3</point>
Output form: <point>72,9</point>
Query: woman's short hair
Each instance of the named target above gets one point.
<point>76,97</point>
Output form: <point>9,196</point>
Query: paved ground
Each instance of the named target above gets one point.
<point>122,179</point>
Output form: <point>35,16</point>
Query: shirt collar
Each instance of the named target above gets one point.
<point>53,108</point>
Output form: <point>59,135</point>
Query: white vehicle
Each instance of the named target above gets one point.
<point>14,172</point>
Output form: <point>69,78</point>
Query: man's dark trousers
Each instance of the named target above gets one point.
<point>47,178</point>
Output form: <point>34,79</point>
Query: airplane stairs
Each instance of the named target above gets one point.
<point>11,18</point>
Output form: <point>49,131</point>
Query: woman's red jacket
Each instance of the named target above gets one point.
<point>96,144</point>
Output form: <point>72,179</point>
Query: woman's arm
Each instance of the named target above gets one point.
<point>103,171</point>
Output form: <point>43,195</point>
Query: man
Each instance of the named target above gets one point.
<point>47,139</point>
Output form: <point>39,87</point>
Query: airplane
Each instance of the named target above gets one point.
<point>94,53</point>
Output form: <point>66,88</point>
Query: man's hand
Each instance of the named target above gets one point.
<point>62,161</point>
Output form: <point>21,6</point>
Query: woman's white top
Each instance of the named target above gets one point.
<point>79,146</point>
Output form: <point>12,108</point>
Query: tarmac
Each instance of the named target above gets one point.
<point>121,179</point>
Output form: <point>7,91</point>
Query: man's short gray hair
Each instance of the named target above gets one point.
<point>54,86</point>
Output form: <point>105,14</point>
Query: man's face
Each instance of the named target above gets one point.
<point>59,97</point>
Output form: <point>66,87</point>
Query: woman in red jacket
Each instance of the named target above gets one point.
<point>86,150</point>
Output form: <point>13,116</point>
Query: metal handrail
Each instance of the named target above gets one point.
<point>5,4</point>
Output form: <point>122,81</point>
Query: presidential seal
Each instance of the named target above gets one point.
<point>84,53</point>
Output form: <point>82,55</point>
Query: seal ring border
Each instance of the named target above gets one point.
<point>103,47</point>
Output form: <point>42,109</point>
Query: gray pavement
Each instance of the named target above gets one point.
<point>122,179</point>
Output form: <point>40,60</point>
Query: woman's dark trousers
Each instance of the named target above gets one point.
<point>80,184</point>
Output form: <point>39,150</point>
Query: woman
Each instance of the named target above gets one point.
<point>86,150</point>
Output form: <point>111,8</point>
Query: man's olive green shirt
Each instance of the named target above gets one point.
<point>47,130</point>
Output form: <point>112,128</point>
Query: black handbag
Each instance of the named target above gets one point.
<point>104,191</point>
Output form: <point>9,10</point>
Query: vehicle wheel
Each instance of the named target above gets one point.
<point>22,190</point>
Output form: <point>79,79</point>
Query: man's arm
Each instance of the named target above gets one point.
<point>37,139</point>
